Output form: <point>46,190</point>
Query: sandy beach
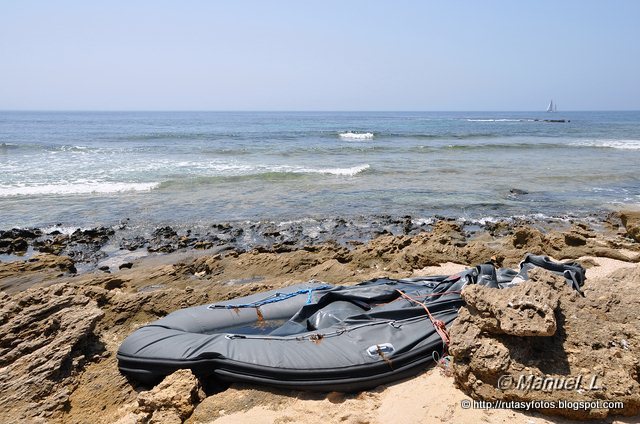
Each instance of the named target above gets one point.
<point>60,328</point>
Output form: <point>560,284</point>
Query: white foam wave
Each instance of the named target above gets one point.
<point>500,120</point>
<point>69,148</point>
<point>349,172</point>
<point>485,220</point>
<point>612,144</point>
<point>356,135</point>
<point>75,188</point>
<point>63,229</point>
<point>234,168</point>
<point>424,221</point>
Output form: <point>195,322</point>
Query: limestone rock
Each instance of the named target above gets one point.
<point>46,335</point>
<point>15,276</point>
<point>524,310</point>
<point>173,400</point>
<point>631,221</point>
<point>543,329</point>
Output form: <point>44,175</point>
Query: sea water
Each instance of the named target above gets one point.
<point>99,168</point>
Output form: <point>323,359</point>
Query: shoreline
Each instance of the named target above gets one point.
<point>108,247</point>
<point>63,325</point>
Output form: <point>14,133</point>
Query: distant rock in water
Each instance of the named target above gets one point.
<point>518,191</point>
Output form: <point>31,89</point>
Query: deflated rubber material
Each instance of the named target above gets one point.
<point>314,336</point>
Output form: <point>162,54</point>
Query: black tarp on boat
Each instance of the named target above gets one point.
<point>314,336</point>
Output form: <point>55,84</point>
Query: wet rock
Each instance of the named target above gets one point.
<point>54,245</point>
<point>16,240</point>
<point>203,244</point>
<point>5,246</point>
<point>185,242</point>
<point>24,233</point>
<point>98,236</point>
<point>164,240</point>
<point>13,246</point>
<point>271,233</point>
<point>222,227</point>
<point>163,248</point>
<point>19,245</point>
<point>286,246</point>
<point>133,243</point>
<point>382,232</point>
<point>84,246</point>
<point>126,265</point>
<point>407,225</point>
<point>165,232</point>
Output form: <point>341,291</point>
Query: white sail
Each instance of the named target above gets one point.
<point>550,107</point>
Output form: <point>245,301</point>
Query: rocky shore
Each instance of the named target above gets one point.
<point>108,248</point>
<point>70,300</point>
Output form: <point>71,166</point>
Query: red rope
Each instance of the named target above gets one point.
<point>440,326</point>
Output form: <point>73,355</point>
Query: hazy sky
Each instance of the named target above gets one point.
<point>319,55</point>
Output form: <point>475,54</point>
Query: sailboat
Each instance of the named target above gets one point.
<point>554,108</point>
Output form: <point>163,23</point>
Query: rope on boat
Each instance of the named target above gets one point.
<point>276,297</point>
<point>438,325</point>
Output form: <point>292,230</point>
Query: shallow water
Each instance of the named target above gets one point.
<point>88,169</point>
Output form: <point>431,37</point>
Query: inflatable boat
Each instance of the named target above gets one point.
<point>315,336</point>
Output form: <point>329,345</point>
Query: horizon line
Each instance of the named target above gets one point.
<point>308,110</point>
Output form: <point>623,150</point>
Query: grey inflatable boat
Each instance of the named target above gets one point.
<point>315,336</point>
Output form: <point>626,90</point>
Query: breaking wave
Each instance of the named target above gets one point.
<point>349,172</point>
<point>502,120</point>
<point>356,135</point>
<point>275,173</point>
<point>75,188</point>
<point>611,144</point>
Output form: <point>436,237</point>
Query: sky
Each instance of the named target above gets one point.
<point>319,55</point>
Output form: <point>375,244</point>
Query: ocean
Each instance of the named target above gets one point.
<point>84,169</point>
